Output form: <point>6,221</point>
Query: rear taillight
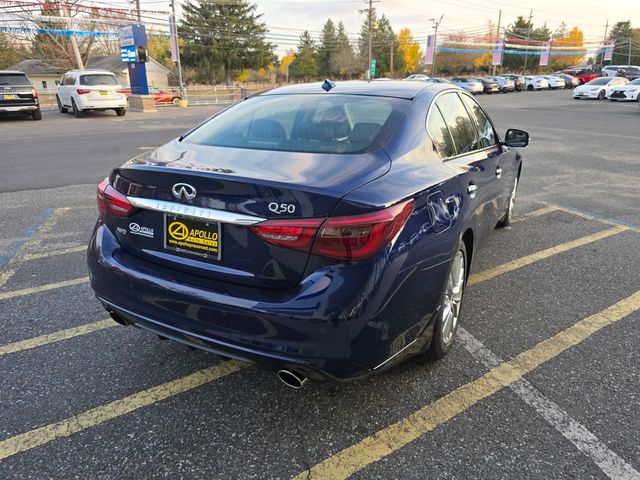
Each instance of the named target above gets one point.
<point>121,90</point>
<point>83,91</point>
<point>353,237</point>
<point>111,202</point>
<point>34,92</point>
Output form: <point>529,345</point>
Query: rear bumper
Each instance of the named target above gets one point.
<point>91,104</point>
<point>323,328</point>
<point>19,108</point>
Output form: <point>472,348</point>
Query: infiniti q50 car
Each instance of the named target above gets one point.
<point>323,231</point>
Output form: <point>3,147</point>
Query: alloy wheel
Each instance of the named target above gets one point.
<point>453,298</point>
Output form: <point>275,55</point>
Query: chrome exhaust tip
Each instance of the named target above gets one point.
<point>291,379</point>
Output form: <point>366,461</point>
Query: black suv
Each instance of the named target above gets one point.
<point>18,95</point>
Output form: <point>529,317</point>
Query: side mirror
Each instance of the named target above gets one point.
<point>516,138</point>
<point>58,83</point>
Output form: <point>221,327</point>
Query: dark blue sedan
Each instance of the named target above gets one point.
<point>323,231</point>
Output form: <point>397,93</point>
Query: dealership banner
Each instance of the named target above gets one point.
<point>544,56</point>
<point>431,47</point>
<point>497,52</point>
<point>173,39</point>
<point>608,52</point>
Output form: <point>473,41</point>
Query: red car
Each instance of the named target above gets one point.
<point>584,75</point>
<point>161,96</point>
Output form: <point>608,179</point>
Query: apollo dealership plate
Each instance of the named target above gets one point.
<point>185,235</point>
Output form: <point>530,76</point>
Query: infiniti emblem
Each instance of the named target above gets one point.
<point>183,191</point>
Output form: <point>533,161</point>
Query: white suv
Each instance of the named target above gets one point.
<point>83,90</point>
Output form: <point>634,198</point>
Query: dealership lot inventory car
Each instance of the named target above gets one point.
<point>83,90</point>
<point>324,234</point>
<point>505,84</point>
<point>471,85</point>
<point>569,80</point>
<point>554,82</point>
<point>536,83</point>
<point>519,81</point>
<point>17,95</point>
<point>627,92</point>
<point>598,88</point>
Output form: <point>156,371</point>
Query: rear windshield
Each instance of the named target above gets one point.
<point>98,79</point>
<point>13,79</point>
<point>304,123</point>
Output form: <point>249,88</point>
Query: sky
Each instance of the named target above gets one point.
<point>290,17</point>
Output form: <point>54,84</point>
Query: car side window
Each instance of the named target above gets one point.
<point>465,136</point>
<point>487,134</point>
<point>440,134</point>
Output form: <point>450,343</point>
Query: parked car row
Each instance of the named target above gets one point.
<point>613,88</point>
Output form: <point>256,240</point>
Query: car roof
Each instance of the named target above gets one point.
<point>12,72</point>
<point>391,88</point>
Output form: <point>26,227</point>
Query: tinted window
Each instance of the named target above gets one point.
<point>487,134</point>
<point>14,79</point>
<point>440,134</point>
<point>635,82</point>
<point>457,119</point>
<point>98,79</point>
<point>600,81</point>
<point>304,123</point>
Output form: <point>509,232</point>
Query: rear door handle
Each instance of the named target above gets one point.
<point>472,189</point>
<point>498,172</point>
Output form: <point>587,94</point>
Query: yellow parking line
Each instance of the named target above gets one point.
<point>42,288</point>
<point>53,253</point>
<point>541,255</point>
<point>390,439</point>
<point>540,212</point>
<point>55,337</point>
<point>95,416</point>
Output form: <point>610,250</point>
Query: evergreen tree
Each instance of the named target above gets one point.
<point>223,37</point>
<point>327,47</point>
<point>343,58</point>
<point>305,65</point>
<point>622,33</point>
<point>383,41</point>
<point>521,28</point>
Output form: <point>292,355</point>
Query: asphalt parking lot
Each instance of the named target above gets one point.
<point>544,381</point>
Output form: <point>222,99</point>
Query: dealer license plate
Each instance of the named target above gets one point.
<point>195,237</point>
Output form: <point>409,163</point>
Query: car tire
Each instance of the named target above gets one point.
<point>175,100</point>
<point>602,95</point>
<point>37,115</point>
<point>530,88</point>
<point>447,320</point>
<point>507,217</point>
<point>76,111</point>
<point>121,112</point>
<point>60,107</point>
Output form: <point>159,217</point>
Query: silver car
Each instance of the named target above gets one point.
<point>471,86</point>
<point>505,84</point>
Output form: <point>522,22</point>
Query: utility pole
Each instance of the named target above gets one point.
<point>370,15</point>
<point>74,42</point>
<point>526,56</point>
<point>629,54</point>
<point>391,62</point>
<point>183,92</point>
<point>436,23</point>
<point>604,43</point>
<point>138,11</point>
<point>497,35</point>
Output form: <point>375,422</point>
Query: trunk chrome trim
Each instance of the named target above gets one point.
<point>194,212</point>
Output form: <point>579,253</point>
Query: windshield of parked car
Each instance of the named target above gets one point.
<point>98,79</point>
<point>13,79</point>
<point>599,81</point>
<point>304,123</point>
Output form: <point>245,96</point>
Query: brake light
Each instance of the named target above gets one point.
<point>112,202</point>
<point>357,237</point>
<point>353,237</point>
<point>34,92</point>
<point>120,90</point>
<point>83,91</point>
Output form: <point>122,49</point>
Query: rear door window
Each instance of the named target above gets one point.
<point>440,134</point>
<point>463,131</point>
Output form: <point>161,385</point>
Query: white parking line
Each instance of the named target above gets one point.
<point>591,446</point>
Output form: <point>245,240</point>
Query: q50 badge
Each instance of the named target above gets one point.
<point>281,208</point>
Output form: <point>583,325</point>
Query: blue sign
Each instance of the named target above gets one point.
<point>133,35</point>
<point>129,54</point>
